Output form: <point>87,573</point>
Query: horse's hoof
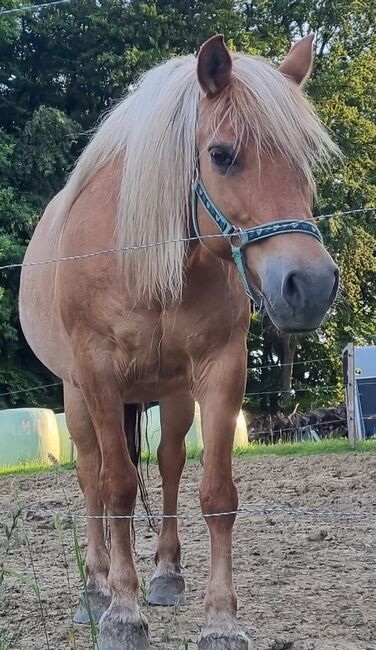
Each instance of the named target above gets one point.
<point>218,641</point>
<point>92,605</point>
<point>116,635</point>
<point>167,591</point>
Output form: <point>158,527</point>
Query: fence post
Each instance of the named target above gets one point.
<point>350,390</point>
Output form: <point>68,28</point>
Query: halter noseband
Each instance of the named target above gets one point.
<point>248,236</point>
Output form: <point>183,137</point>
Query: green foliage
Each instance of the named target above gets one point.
<point>43,152</point>
<point>61,67</point>
<point>343,89</point>
<point>32,166</point>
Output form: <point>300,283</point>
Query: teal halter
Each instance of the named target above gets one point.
<point>248,236</point>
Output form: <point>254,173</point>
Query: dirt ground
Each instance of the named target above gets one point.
<point>303,583</point>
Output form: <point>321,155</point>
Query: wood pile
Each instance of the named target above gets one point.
<point>329,422</point>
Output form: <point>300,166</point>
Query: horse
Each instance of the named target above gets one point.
<point>195,195</point>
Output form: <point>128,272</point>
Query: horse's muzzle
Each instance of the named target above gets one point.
<point>298,299</point>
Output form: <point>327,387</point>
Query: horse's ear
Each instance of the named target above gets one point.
<point>299,61</point>
<point>214,66</point>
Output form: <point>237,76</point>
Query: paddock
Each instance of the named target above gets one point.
<point>304,582</point>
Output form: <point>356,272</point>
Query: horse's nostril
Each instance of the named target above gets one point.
<point>302,290</point>
<point>292,290</point>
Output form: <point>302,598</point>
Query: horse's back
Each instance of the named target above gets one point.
<point>39,312</point>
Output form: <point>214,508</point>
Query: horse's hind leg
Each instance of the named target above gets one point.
<point>167,586</point>
<point>88,467</point>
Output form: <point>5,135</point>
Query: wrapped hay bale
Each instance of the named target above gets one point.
<point>68,451</point>
<point>28,435</point>
<point>152,425</point>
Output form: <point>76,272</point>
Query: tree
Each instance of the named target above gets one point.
<point>31,168</point>
<point>343,88</point>
<point>62,66</point>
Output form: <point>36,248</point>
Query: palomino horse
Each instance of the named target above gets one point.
<point>169,322</point>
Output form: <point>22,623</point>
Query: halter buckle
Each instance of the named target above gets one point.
<point>235,237</point>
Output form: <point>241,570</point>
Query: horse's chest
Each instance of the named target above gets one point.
<point>159,357</point>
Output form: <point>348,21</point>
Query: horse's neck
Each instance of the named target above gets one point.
<point>210,278</point>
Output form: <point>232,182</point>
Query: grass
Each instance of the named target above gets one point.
<point>327,446</point>
<point>32,468</point>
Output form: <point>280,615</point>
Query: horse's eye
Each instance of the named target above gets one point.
<point>222,158</point>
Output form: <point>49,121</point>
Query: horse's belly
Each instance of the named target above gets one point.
<point>39,314</point>
<point>149,391</point>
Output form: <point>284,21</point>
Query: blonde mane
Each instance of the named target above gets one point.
<point>153,131</point>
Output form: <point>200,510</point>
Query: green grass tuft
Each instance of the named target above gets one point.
<point>327,446</point>
<point>32,468</point>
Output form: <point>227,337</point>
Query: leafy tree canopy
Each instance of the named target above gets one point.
<point>62,66</point>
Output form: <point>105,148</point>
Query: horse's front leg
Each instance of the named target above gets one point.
<point>96,596</point>
<point>121,625</point>
<point>167,586</point>
<point>220,393</point>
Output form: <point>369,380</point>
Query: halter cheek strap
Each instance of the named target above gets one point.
<point>248,236</point>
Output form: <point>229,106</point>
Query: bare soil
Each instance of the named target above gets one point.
<point>305,583</point>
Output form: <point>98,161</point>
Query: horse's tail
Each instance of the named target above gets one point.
<point>133,433</point>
